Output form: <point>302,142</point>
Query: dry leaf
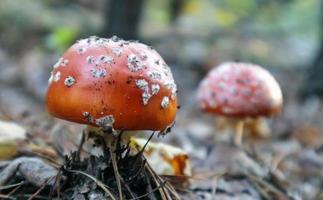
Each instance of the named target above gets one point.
<point>10,133</point>
<point>164,159</point>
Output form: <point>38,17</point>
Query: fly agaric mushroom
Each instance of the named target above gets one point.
<point>114,85</point>
<point>240,91</point>
<point>113,82</point>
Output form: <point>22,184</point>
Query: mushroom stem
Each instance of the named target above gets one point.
<point>111,139</point>
<point>79,149</point>
<point>239,126</point>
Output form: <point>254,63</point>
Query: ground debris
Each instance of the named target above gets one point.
<point>93,177</point>
<point>235,161</point>
<point>33,170</point>
<point>222,187</point>
<point>10,135</point>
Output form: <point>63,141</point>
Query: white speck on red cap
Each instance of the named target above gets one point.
<point>57,76</point>
<point>165,102</point>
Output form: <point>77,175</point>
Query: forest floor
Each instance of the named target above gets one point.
<point>288,165</point>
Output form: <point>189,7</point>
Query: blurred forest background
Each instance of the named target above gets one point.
<point>284,36</point>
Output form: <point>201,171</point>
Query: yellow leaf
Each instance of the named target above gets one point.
<point>225,18</point>
<point>8,149</point>
<point>10,132</point>
<point>192,7</point>
<point>164,159</point>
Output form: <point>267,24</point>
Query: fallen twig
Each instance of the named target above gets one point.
<point>115,169</point>
<point>161,189</point>
<point>152,191</point>
<point>40,189</point>
<point>165,193</point>
<point>11,186</point>
<point>2,196</point>
<point>268,186</point>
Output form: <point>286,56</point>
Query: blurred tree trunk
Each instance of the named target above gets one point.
<point>314,81</point>
<point>122,18</point>
<point>175,9</point>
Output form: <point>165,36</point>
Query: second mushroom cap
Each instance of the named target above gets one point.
<point>240,90</point>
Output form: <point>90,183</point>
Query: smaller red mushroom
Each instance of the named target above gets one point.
<point>240,91</point>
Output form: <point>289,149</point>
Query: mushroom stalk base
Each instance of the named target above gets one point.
<point>112,149</point>
<point>114,141</point>
<point>112,171</point>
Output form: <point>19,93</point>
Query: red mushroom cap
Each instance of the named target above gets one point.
<point>102,81</point>
<point>240,90</point>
